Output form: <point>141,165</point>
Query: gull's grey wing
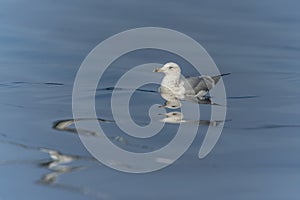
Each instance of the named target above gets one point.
<point>194,85</point>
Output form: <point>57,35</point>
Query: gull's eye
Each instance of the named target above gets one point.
<point>171,67</point>
<point>174,114</point>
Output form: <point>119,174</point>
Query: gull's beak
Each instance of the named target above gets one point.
<point>157,70</point>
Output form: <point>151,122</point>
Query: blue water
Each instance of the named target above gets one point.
<point>42,46</point>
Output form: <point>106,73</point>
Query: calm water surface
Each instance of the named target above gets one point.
<point>42,46</point>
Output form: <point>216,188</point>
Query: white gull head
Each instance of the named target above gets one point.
<point>169,68</point>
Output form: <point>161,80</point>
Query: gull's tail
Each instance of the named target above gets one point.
<point>217,78</point>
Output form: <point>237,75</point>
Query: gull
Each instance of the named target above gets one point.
<point>196,87</point>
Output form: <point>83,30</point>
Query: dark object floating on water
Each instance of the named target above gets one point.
<point>65,125</point>
<point>54,83</point>
<point>32,83</point>
<point>125,89</point>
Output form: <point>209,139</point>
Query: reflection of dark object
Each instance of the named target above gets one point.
<point>273,126</point>
<point>244,97</point>
<point>64,125</point>
<point>47,83</point>
<point>23,83</point>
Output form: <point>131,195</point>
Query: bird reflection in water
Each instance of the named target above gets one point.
<point>58,165</point>
<point>177,118</point>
